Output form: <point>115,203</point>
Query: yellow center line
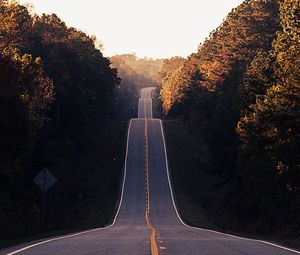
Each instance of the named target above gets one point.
<point>145,109</point>
<point>153,244</point>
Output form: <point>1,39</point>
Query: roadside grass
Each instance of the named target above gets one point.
<point>198,193</point>
<point>41,236</point>
<point>102,185</point>
<point>182,166</point>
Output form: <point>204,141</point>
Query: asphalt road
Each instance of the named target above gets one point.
<point>147,221</point>
<point>145,103</point>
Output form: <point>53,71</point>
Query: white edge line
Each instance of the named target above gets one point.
<point>151,102</point>
<point>151,110</point>
<point>124,176</point>
<point>144,99</point>
<point>139,103</point>
<point>209,230</point>
<point>92,230</point>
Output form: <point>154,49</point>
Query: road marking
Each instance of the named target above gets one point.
<point>146,95</point>
<point>139,108</point>
<point>92,230</point>
<point>145,109</point>
<point>209,230</point>
<point>151,110</point>
<point>153,244</point>
<point>162,248</point>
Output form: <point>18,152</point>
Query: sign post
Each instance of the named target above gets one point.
<point>45,180</point>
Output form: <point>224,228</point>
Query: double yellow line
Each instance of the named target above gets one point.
<point>153,244</point>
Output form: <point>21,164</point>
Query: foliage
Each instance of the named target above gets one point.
<point>270,127</point>
<point>240,94</point>
<point>169,77</point>
<point>135,73</point>
<point>56,95</point>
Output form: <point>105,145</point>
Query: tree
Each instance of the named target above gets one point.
<point>56,95</point>
<point>244,104</point>
<point>135,73</point>
<point>271,126</point>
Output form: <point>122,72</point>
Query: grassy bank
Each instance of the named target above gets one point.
<point>200,195</point>
<point>88,187</point>
<point>189,181</point>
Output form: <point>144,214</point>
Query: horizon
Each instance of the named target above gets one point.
<point>149,29</point>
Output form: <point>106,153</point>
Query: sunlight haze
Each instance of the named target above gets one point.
<point>156,28</point>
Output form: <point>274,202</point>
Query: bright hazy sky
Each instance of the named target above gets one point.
<point>151,28</point>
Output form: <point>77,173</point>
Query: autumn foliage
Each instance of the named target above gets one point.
<point>135,73</point>
<point>240,93</point>
<point>56,95</point>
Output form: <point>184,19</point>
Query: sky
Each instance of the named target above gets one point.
<point>149,28</point>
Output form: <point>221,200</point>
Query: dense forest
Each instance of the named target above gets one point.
<point>238,97</point>
<point>57,95</point>
<point>135,73</point>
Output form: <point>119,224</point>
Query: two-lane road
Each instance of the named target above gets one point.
<point>145,103</point>
<point>147,220</point>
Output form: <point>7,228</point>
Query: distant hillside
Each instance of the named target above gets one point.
<point>140,71</point>
<point>135,73</point>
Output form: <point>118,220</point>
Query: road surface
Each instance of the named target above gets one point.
<point>147,221</point>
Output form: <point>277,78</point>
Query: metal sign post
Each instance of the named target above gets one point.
<point>45,180</point>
